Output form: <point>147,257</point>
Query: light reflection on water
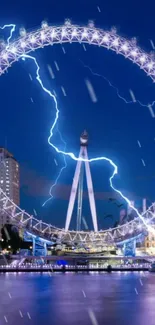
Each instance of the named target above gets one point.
<point>59,299</point>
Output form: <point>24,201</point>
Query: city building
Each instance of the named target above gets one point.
<point>9,180</point>
<point>149,243</point>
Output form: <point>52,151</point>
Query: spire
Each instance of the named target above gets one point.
<point>84,138</point>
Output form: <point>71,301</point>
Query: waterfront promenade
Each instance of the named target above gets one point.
<point>72,268</point>
<point>17,263</point>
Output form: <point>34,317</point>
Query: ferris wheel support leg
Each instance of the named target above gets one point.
<point>129,248</point>
<point>33,247</point>
<point>45,249</point>
<point>80,198</point>
<point>91,192</point>
<point>73,193</point>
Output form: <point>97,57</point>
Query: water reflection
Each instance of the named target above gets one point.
<point>67,298</point>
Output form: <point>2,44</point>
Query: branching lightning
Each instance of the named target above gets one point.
<point>117,90</point>
<point>60,172</point>
<point>71,154</point>
<point>25,56</point>
<point>13,27</point>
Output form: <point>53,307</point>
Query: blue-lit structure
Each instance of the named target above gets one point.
<point>128,246</point>
<point>39,245</point>
<point>43,235</point>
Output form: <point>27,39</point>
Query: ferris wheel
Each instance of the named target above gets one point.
<point>47,35</point>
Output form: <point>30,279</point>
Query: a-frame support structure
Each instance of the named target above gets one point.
<point>83,159</point>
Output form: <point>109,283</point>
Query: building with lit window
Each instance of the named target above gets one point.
<point>9,180</point>
<point>150,242</point>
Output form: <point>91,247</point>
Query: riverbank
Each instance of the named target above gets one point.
<point>76,270</point>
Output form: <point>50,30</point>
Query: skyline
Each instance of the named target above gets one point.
<point>125,180</point>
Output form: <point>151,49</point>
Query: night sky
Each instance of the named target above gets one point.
<point>113,126</point>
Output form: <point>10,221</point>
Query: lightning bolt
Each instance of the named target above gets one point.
<point>25,56</point>
<point>117,90</point>
<point>115,172</point>
<point>71,154</point>
<point>60,172</point>
<point>13,27</point>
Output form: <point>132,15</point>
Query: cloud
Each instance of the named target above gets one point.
<point>35,185</point>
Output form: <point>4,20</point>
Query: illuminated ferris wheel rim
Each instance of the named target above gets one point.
<point>69,33</point>
<point>36,227</point>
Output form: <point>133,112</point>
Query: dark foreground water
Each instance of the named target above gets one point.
<point>77,299</point>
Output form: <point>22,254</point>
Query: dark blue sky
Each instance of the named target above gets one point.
<point>114,127</point>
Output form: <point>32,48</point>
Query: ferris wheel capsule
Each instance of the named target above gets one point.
<point>134,41</point>
<point>2,43</point>
<point>68,22</point>
<point>114,30</point>
<point>152,55</point>
<point>22,32</point>
<point>91,23</point>
<point>44,24</point>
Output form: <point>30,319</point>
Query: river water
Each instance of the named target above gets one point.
<point>77,299</point>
